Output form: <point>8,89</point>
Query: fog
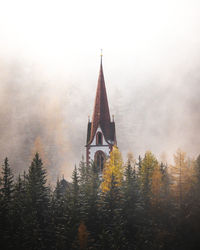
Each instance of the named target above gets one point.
<point>49,64</point>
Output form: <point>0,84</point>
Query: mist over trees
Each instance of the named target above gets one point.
<point>142,204</point>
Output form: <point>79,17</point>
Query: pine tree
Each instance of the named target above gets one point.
<point>61,216</point>
<point>111,217</point>
<point>196,181</point>
<point>74,208</point>
<point>165,196</point>
<point>75,189</point>
<point>131,204</point>
<point>197,169</point>
<point>6,197</point>
<point>93,218</point>
<point>85,189</point>
<point>139,164</point>
<point>37,213</point>
<point>18,211</point>
<point>89,189</point>
<point>189,222</point>
<point>7,182</point>
<point>84,172</point>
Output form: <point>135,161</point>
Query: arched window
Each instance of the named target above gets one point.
<point>99,138</point>
<point>100,160</point>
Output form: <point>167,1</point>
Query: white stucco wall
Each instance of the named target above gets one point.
<point>94,148</point>
<point>103,141</point>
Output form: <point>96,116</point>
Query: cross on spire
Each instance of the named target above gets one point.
<point>101,55</point>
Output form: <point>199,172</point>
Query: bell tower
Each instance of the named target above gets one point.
<point>101,135</point>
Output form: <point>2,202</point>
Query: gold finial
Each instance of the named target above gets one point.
<point>101,52</point>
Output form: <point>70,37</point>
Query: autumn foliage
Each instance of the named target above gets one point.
<point>113,168</point>
<point>140,204</point>
<point>82,236</point>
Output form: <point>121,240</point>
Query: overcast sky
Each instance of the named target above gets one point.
<point>49,64</point>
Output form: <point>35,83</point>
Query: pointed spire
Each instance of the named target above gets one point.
<point>101,114</point>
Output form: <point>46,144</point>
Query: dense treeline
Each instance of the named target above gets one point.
<point>144,204</point>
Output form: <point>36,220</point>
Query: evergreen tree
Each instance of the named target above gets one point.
<point>74,208</point>
<point>131,208</point>
<point>110,211</point>
<point>89,189</point>
<point>84,173</point>
<point>37,212</point>
<point>197,169</point>
<point>61,216</point>
<point>6,197</point>
<point>131,204</point>
<point>85,189</point>
<point>196,182</point>
<point>139,163</point>
<point>6,182</point>
<point>188,226</point>
<point>75,192</point>
<point>19,210</point>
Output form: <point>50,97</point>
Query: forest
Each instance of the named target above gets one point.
<point>140,204</point>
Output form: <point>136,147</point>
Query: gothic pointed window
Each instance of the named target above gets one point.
<point>100,160</point>
<point>99,138</point>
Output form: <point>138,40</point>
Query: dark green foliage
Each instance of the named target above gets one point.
<point>6,209</point>
<point>19,206</point>
<point>6,182</point>
<point>34,217</point>
<point>131,205</point>
<point>61,215</point>
<point>37,207</point>
<point>189,218</point>
<point>89,188</point>
<point>111,218</point>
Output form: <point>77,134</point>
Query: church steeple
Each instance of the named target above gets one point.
<point>101,113</point>
<point>101,134</point>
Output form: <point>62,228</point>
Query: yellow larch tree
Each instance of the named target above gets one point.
<point>182,174</point>
<point>146,170</point>
<point>156,186</point>
<point>113,168</point>
<point>147,167</point>
<point>82,236</point>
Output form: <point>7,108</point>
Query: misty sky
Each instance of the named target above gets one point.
<point>49,64</point>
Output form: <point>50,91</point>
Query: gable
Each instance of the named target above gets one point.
<point>94,141</point>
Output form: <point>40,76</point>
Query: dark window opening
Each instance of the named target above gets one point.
<point>99,138</point>
<point>100,160</point>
